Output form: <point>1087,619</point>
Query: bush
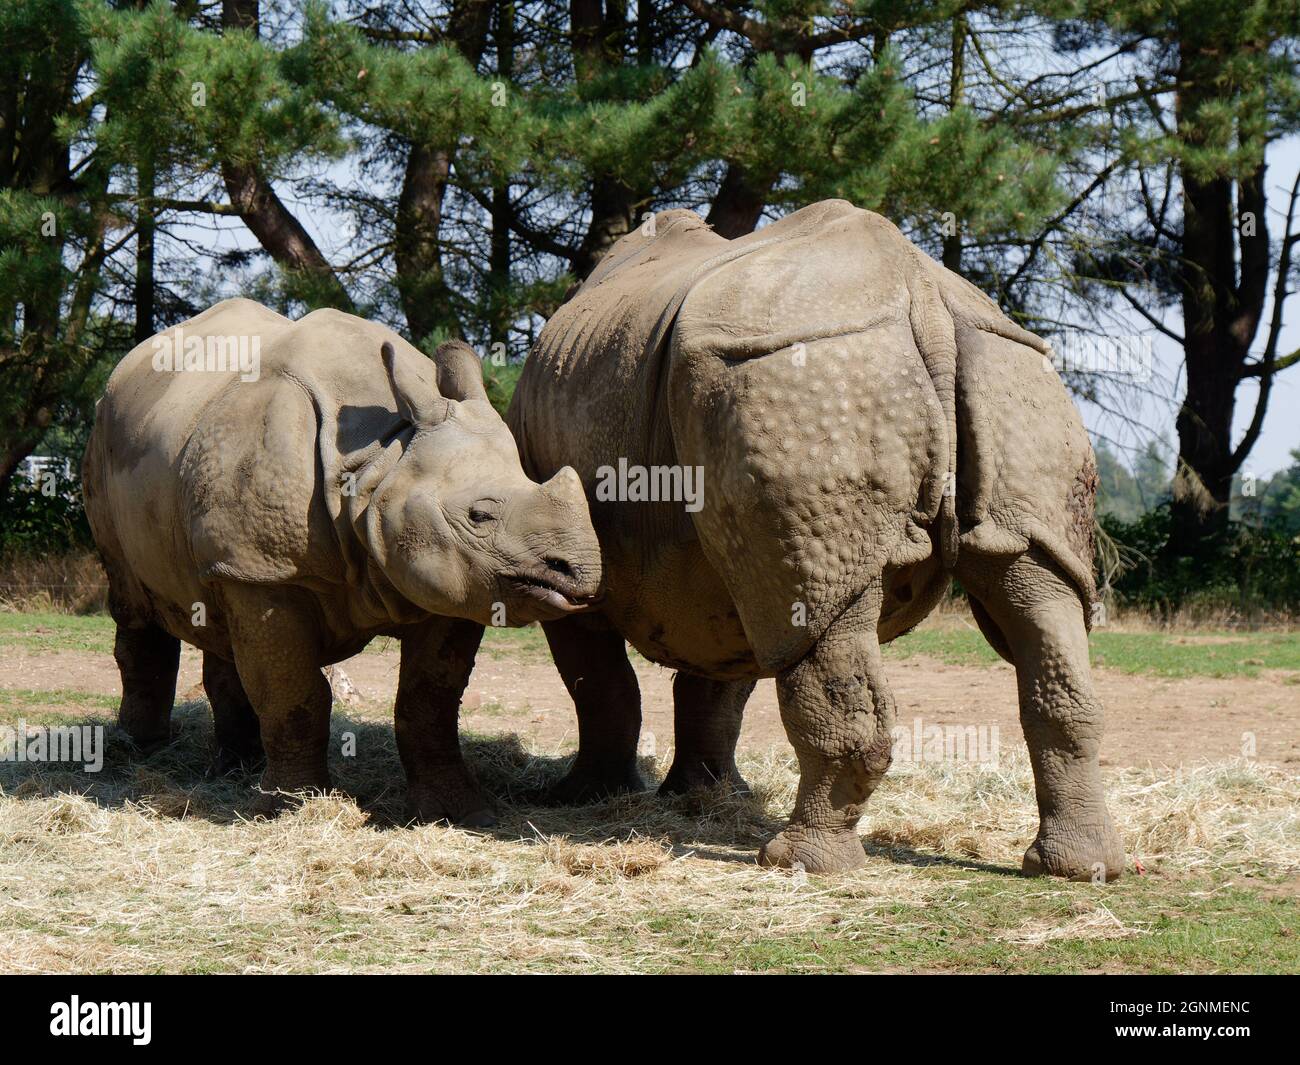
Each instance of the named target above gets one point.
<point>45,520</point>
<point>1247,568</point>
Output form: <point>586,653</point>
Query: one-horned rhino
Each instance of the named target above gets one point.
<point>277,493</point>
<point>866,425</point>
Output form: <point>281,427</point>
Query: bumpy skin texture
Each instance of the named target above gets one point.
<point>868,424</point>
<point>280,522</point>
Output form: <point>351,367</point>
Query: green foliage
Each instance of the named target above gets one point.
<point>501,381</point>
<point>1246,568</point>
<point>545,149</point>
<point>189,98</point>
<point>1275,502</point>
<point>38,520</point>
<point>1126,495</point>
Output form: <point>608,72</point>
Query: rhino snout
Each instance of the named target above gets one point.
<point>562,570</point>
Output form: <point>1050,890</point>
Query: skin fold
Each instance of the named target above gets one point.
<point>868,425</point>
<point>279,519</point>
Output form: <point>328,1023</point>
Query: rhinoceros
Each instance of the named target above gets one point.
<point>276,493</point>
<point>864,425</point>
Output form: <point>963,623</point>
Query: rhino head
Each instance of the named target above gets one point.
<point>456,525</point>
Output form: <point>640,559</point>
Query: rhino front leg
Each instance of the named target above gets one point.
<point>277,654</point>
<point>838,712</point>
<point>1040,618</point>
<point>592,658</point>
<point>437,659</point>
<point>707,715</point>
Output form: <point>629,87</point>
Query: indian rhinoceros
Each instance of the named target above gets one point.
<point>865,424</point>
<point>277,493</point>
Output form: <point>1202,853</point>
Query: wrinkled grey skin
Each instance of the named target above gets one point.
<point>279,524</point>
<point>868,425</point>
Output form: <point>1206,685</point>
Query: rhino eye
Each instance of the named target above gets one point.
<point>481,515</point>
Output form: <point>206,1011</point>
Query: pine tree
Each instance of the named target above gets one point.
<point>1217,91</point>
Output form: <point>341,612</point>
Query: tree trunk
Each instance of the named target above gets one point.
<point>421,285</point>
<point>428,302</point>
<point>739,203</point>
<point>1220,318</point>
<point>267,218</point>
<point>597,35</point>
<point>499,276</point>
<point>144,251</point>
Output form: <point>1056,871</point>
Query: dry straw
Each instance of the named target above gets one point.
<point>150,867</point>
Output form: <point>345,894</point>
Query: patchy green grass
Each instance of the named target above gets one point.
<point>1204,654</point>
<point>45,632</point>
<point>529,642</point>
<point>1199,655</point>
<point>49,705</point>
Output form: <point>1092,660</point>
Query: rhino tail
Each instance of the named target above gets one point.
<point>933,332</point>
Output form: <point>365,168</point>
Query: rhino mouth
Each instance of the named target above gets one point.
<point>552,593</point>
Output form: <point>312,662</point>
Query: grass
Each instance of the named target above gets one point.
<point>71,583</point>
<point>32,704</point>
<point>43,632</point>
<point>1203,654</point>
<point>149,867</point>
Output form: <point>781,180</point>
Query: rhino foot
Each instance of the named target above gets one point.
<point>464,806</point>
<point>1073,852</point>
<point>590,783</point>
<point>273,801</point>
<point>816,850</point>
<point>695,775</point>
<point>227,762</point>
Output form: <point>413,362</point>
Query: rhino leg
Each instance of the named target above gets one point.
<point>1040,618</point>
<point>234,722</point>
<point>147,658</point>
<point>707,715</point>
<point>277,653</point>
<point>838,711</point>
<point>592,658</point>
<point>437,659</point>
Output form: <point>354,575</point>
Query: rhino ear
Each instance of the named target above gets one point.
<point>416,402</point>
<point>460,371</point>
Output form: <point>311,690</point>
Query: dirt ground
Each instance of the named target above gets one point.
<point>1151,721</point>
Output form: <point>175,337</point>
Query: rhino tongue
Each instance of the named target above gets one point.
<point>556,601</point>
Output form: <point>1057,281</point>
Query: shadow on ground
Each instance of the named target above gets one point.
<point>173,781</point>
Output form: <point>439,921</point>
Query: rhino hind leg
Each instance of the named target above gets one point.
<point>276,648</point>
<point>437,659</point>
<point>592,659</point>
<point>707,715</point>
<point>234,721</point>
<point>838,712</point>
<point>148,658</point>
<point>1039,615</point>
